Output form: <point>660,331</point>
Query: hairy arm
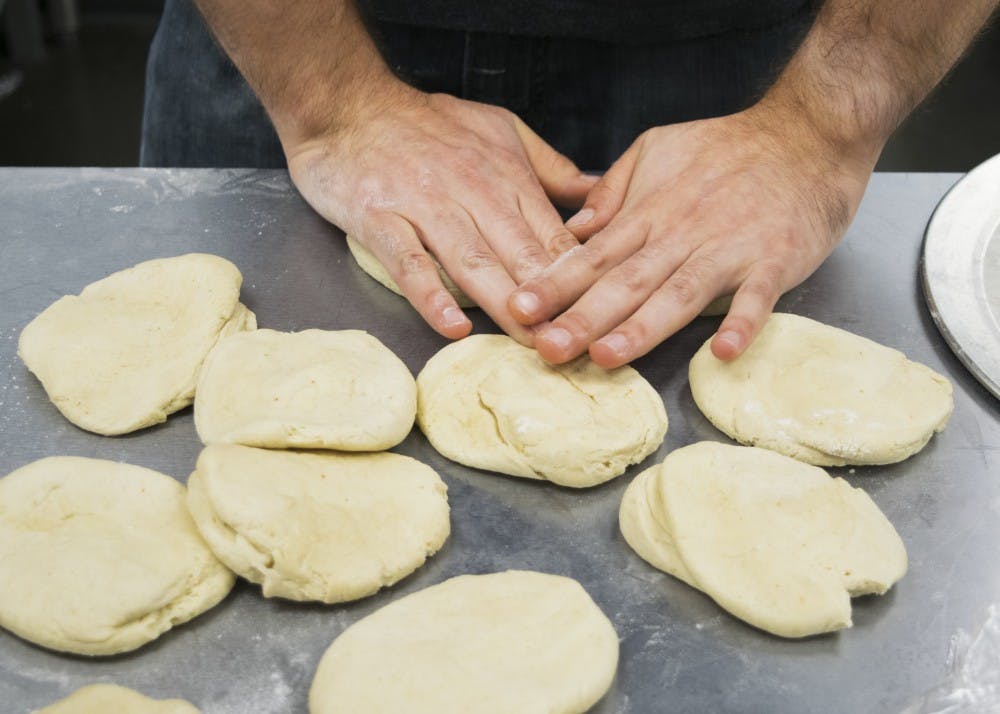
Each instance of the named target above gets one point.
<point>749,203</point>
<point>867,63</point>
<point>406,173</point>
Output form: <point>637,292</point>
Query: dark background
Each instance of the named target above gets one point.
<point>81,104</point>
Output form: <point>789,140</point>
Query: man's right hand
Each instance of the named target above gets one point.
<point>404,172</point>
<point>414,173</point>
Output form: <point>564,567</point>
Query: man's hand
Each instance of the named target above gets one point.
<point>750,203</point>
<point>402,171</point>
<point>413,173</point>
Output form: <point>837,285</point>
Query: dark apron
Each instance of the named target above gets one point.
<point>589,99</point>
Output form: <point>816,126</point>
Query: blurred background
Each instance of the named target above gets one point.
<point>71,86</point>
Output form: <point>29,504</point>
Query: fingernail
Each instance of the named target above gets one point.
<point>558,337</point>
<point>527,303</point>
<point>731,338</point>
<point>452,316</point>
<point>589,178</point>
<point>581,218</point>
<point>615,342</point>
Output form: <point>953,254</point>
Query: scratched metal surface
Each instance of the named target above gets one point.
<point>915,649</point>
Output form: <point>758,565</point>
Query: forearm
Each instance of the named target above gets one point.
<point>865,64</point>
<point>312,64</point>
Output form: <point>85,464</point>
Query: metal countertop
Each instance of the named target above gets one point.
<point>923,646</point>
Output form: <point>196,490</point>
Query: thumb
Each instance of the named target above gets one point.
<point>560,178</point>
<point>605,198</point>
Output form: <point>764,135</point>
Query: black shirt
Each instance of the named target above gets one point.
<point>623,21</point>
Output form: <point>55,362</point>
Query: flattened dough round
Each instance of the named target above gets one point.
<point>369,264</point>
<point>99,557</point>
<point>126,351</point>
<point>516,641</point>
<point>315,389</point>
<point>821,395</point>
<point>114,699</point>
<point>777,543</point>
<point>489,403</point>
<point>318,526</point>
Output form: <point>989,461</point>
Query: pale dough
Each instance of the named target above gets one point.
<point>371,265</point>
<point>313,389</point>
<point>515,641</point>
<point>99,557</point>
<point>114,699</point>
<point>777,543</point>
<point>126,352</point>
<point>490,403</point>
<point>318,526</point>
<point>821,395</point>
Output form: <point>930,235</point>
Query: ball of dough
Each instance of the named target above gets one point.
<point>111,698</point>
<point>777,543</point>
<point>324,526</point>
<point>507,642</point>
<point>821,395</point>
<point>313,389</point>
<point>98,557</point>
<point>370,264</point>
<point>490,403</point>
<point>126,351</point>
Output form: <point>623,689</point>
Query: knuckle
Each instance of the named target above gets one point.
<point>765,281</point>
<point>637,333</point>
<point>529,257</point>
<point>478,257</point>
<point>594,258</point>
<point>603,193</point>
<point>576,322</point>
<point>684,287</point>
<point>561,242</point>
<point>630,277</point>
<point>414,262</point>
<point>467,160</point>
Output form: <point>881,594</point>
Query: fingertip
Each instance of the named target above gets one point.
<point>453,323</point>
<point>610,351</point>
<point>728,344</point>
<point>581,219</point>
<point>554,344</point>
<point>525,306</point>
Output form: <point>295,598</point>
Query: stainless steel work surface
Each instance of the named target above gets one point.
<point>960,269</point>
<point>924,646</point>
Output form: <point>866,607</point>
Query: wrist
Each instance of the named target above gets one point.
<point>325,109</point>
<point>832,134</point>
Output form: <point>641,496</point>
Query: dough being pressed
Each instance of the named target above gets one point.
<point>777,543</point>
<point>516,641</point>
<point>99,557</point>
<point>821,395</point>
<point>126,351</point>
<point>487,402</point>
<point>318,526</point>
<point>313,389</point>
<point>114,699</point>
<point>369,264</point>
